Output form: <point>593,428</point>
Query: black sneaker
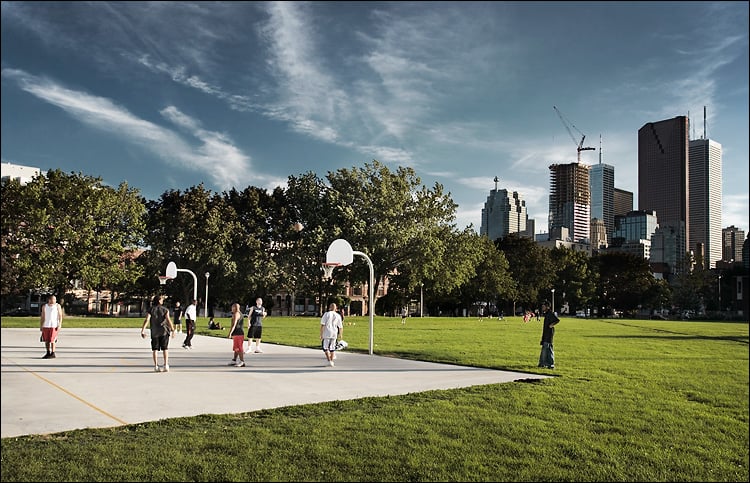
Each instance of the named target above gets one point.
<point>47,355</point>
<point>233,363</point>
<point>52,355</point>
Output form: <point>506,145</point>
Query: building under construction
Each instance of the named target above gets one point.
<point>570,200</point>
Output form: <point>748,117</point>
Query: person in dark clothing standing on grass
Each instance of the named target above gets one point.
<point>547,356</point>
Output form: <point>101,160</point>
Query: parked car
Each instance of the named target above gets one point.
<point>17,312</point>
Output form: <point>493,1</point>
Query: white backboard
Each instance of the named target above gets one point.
<point>340,251</point>
<point>171,270</point>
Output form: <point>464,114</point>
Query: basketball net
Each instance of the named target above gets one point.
<point>163,279</point>
<point>328,270</point>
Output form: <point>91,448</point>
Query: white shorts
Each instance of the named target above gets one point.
<point>329,345</point>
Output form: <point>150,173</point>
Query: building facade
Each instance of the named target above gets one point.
<point>732,241</point>
<point>570,200</point>
<point>705,199</point>
<point>503,213</point>
<point>602,186</point>
<point>623,201</point>
<point>663,180</point>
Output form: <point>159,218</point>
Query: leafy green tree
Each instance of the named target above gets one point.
<point>199,231</point>
<point>399,223</point>
<point>624,280</point>
<point>573,278</point>
<point>530,266</point>
<point>492,282</point>
<point>62,229</point>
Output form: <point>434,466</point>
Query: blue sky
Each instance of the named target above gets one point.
<point>170,95</point>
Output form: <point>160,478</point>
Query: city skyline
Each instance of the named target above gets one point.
<point>153,94</point>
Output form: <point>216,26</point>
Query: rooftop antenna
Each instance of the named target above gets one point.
<point>600,148</point>
<point>704,123</point>
<point>496,180</point>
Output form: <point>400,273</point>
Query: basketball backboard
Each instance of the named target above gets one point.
<point>171,270</point>
<point>340,251</point>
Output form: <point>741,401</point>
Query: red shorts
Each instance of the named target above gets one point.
<point>237,342</point>
<point>49,334</point>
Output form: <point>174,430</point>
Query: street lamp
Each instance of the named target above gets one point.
<point>421,299</point>
<point>719,292</point>
<point>205,309</point>
<point>553,300</point>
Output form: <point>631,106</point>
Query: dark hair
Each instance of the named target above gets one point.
<point>546,303</point>
<point>156,300</point>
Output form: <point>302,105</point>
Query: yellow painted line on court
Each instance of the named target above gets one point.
<point>72,395</point>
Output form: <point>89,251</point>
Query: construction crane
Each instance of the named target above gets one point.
<point>568,124</point>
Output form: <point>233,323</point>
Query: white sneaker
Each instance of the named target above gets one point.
<point>166,368</point>
<point>330,363</point>
<point>156,369</point>
<point>240,364</point>
<point>247,351</point>
<point>258,351</point>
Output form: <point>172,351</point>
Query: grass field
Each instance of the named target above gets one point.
<point>633,400</point>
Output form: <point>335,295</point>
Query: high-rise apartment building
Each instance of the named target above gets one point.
<point>705,199</point>
<point>732,241</point>
<point>602,185</point>
<point>570,200</point>
<point>623,202</point>
<point>663,180</point>
<point>503,213</point>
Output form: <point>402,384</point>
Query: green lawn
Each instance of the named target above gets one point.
<point>633,400</point>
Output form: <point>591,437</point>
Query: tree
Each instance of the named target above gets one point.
<point>573,277</point>
<point>199,231</point>
<point>63,229</point>
<point>400,224</point>
<point>530,266</point>
<point>624,280</point>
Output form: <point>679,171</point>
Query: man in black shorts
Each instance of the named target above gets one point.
<point>255,316</point>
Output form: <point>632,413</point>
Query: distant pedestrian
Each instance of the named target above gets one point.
<point>162,329</point>
<point>547,356</point>
<point>190,317</point>
<point>404,314</point>
<point>50,323</point>
<point>480,312</point>
<point>177,311</point>
<point>237,334</point>
<point>331,329</point>
<point>255,316</point>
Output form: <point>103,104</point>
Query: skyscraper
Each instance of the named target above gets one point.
<point>663,179</point>
<point>732,240</point>
<point>602,180</point>
<point>623,201</point>
<point>503,213</point>
<point>705,199</point>
<point>570,200</point>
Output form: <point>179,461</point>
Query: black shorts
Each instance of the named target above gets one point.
<point>160,343</point>
<point>254,331</point>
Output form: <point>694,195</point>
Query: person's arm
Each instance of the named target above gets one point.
<point>234,324</point>
<point>171,325</point>
<point>41,318</point>
<point>145,322</point>
<point>322,327</point>
<point>59,316</point>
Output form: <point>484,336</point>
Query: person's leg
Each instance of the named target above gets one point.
<point>166,360</point>
<point>156,361</point>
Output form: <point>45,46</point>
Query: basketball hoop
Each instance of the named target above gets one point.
<point>328,270</point>
<point>163,279</point>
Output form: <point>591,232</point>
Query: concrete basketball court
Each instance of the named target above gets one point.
<point>105,378</point>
